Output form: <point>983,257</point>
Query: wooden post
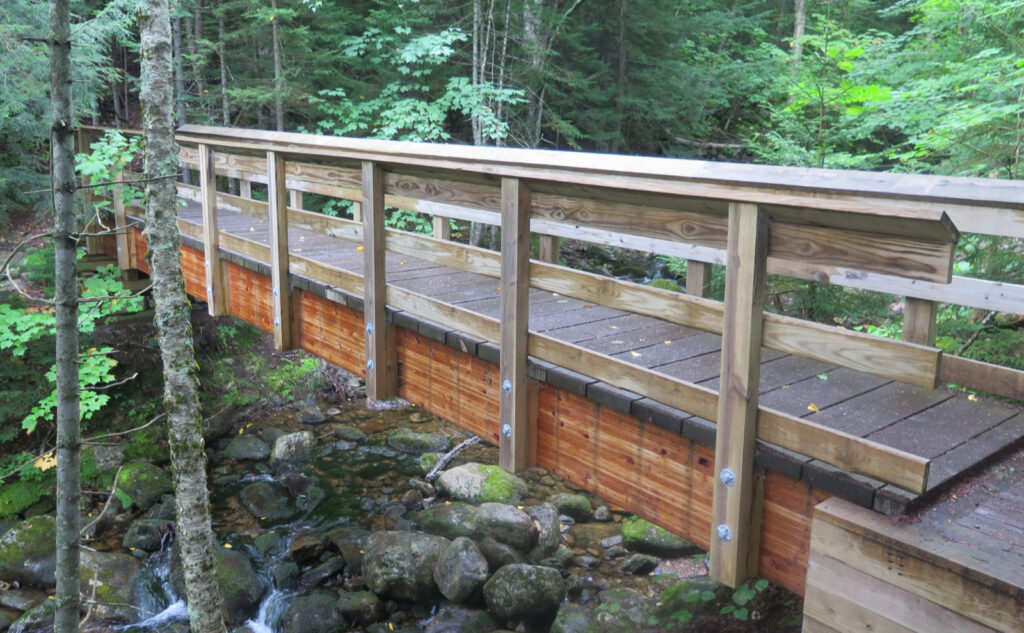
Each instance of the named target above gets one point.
<point>734,526</point>
<point>442,228</point>
<point>124,259</point>
<point>277,198</point>
<point>93,245</point>
<point>295,199</point>
<point>513,443</point>
<point>381,358</point>
<point>698,278</point>
<point>919,321</point>
<point>357,212</point>
<point>216,299</point>
<point>548,248</point>
<point>245,188</point>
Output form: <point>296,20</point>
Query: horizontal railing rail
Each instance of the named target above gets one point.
<point>886,232</point>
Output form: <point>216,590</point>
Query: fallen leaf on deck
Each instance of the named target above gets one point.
<point>813,407</point>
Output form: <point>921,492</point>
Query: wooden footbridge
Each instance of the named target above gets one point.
<point>780,445</point>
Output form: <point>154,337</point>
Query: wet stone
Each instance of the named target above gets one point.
<point>639,564</point>
<point>361,607</point>
<point>247,447</point>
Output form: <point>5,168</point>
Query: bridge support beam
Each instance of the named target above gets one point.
<point>280,287</point>
<point>381,355</point>
<point>919,321</point>
<point>698,278</point>
<point>548,248</point>
<point>514,432</point>
<point>735,516</point>
<point>216,292</point>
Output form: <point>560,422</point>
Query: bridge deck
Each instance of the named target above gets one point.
<point>955,431</point>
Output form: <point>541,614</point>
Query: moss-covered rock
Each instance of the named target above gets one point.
<point>146,534</point>
<point>28,554</point>
<point>478,483</point>
<point>524,592</point>
<point>107,579</point>
<point>409,441</point>
<point>240,588</point>
<point>268,502</point>
<point>38,618</point>
<point>247,447</point>
<point>576,506</point>
<point>401,564</point>
<point>142,483</point>
<point>643,536</point>
<point>313,613</point>
<point>452,520</point>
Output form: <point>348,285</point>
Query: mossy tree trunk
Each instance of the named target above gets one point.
<point>66,296</point>
<point>174,330</point>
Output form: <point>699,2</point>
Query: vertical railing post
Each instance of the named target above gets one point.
<point>124,259</point>
<point>93,245</point>
<point>381,355</point>
<point>216,296</point>
<point>280,289</point>
<point>548,247</point>
<point>442,228</point>
<point>735,525</point>
<point>295,199</point>
<point>919,321</point>
<point>245,188</point>
<point>513,442</point>
<point>698,278</point>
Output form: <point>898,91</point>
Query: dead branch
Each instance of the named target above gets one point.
<point>441,463</point>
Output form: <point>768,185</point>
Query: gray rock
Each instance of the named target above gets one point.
<point>351,542</point>
<point>6,618</point>
<point>267,501</point>
<point>108,457</point>
<point>611,541</point>
<point>312,415</point>
<point>639,564</point>
<point>586,561</point>
<point>575,618</point>
<point>143,483</point>
<point>452,520</point>
<point>21,599</point>
<point>247,447</point>
<point>401,564</point>
<point>409,441</point>
<point>146,534</point>
<point>698,595</point>
<point>460,571</point>
<point>268,543</point>
<point>239,586</point>
<point>286,575</point>
<point>507,524</point>
<point>270,435</point>
<point>305,547</point>
<point>422,487</point>
<point>349,434</point>
<point>576,506</point>
<point>549,533</point>
<point>498,554</point>
<point>631,606</point>
<point>603,514</point>
<point>322,572</point>
<point>109,575</point>
<point>28,554</point>
<point>479,483</point>
<point>643,536</point>
<point>456,619</point>
<point>36,620</point>
<point>313,613</point>
<point>163,509</point>
<point>292,447</point>
<point>524,592</point>
<point>361,607</point>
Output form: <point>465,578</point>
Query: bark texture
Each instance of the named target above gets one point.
<point>181,402</point>
<point>66,296</point>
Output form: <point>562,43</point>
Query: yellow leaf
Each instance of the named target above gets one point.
<point>972,398</point>
<point>240,431</point>
<point>813,407</point>
<point>46,462</point>
<point>227,545</point>
<point>636,354</point>
<point>360,249</point>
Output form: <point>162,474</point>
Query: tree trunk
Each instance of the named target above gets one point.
<point>477,70</point>
<point>179,86</point>
<point>225,104</point>
<point>199,57</point>
<point>799,25</point>
<point>620,92</point>
<point>181,402</point>
<point>278,78</point>
<point>66,298</point>
<point>535,55</point>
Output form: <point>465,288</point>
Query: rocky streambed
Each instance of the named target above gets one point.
<point>326,523</point>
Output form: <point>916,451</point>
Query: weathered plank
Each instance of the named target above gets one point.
<point>975,374</point>
<point>698,278</point>
<point>215,294</point>
<point>381,361</point>
<point>515,285</point>
<point>734,538</point>
<point>277,197</point>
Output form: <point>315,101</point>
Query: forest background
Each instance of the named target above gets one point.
<point>924,86</point>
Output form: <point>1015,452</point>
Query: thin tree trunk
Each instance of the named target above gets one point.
<point>199,57</point>
<point>181,402</point>
<point>799,25</point>
<point>66,297</point>
<point>535,54</point>
<point>225,104</point>
<point>477,79</point>
<point>501,66</point>
<point>278,78</point>
<point>620,96</point>
<point>179,85</point>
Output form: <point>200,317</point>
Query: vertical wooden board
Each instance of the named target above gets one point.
<point>381,364</point>
<point>666,471</point>
<point>919,321</point>
<point>121,225</point>
<point>575,454</point>
<point>698,278</point>
<point>515,310</point>
<point>139,250</point>
<point>415,368</point>
<point>618,453</point>
<point>734,526</point>
<point>547,424</point>
<point>548,248</point>
<point>211,234</point>
<point>786,530</point>
<point>444,373</point>
<point>193,272</point>
<point>252,298</point>
<point>442,229</point>
<point>277,212</point>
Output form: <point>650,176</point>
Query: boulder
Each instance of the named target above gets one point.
<point>409,441</point>
<point>696,596</point>
<point>361,607</point>
<point>292,447</point>
<point>576,506</point>
<point>108,576</point>
<point>456,619</point>
<point>247,447</point>
<point>28,554</point>
<point>639,564</point>
<point>323,572</point>
<point>349,434</point>
<point>498,554</point>
<point>507,524</point>
<point>643,536</point>
<point>312,415</point>
<point>142,484</point>
<point>239,586</point>
<point>524,592</point>
<point>460,571</point>
<point>268,501</point>
<point>146,534</point>
<point>36,620</point>
<point>21,599</point>
<point>548,528</point>
<point>306,547</point>
<point>351,542</point>
<point>479,483</point>
<point>452,520</point>
<point>315,612</point>
<point>401,564</point>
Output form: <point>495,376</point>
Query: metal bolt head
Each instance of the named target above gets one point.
<point>277,322</point>
<point>728,477</point>
<point>276,291</point>
<point>369,364</point>
<point>506,430</point>
<point>724,533</point>
<point>506,386</point>
<point>369,328</point>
